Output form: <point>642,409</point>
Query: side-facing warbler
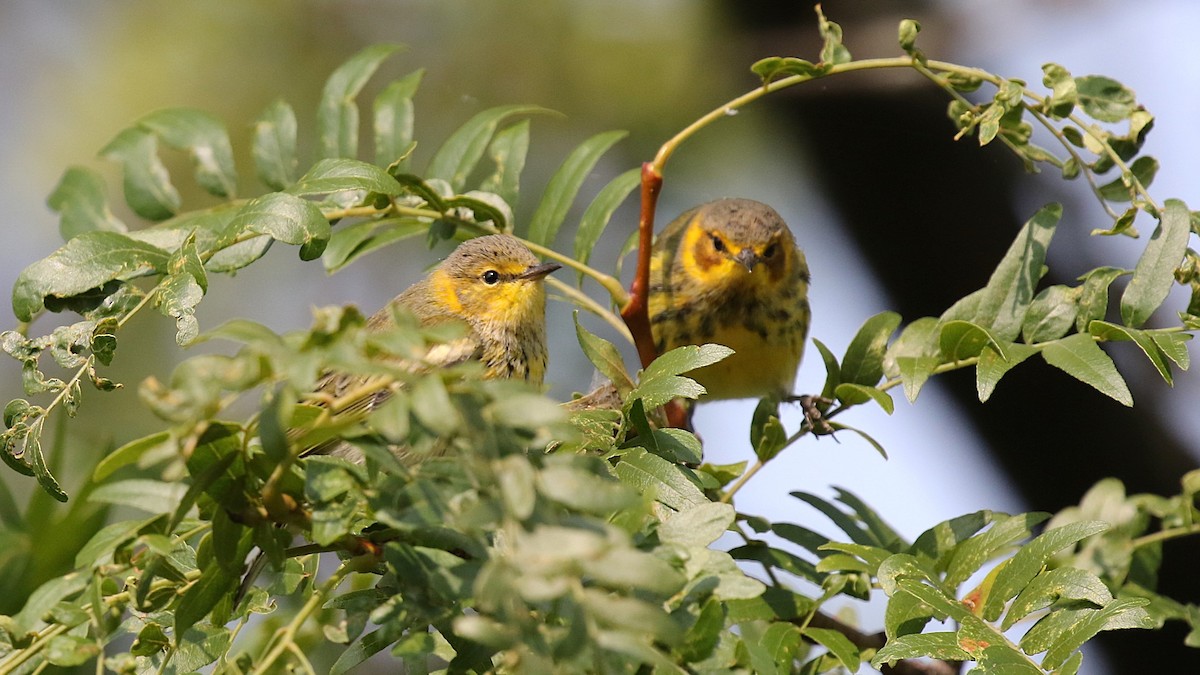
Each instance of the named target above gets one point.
<point>730,272</point>
<point>493,284</point>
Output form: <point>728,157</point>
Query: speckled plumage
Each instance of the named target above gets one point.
<point>729,272</point>
<point>494,284</point>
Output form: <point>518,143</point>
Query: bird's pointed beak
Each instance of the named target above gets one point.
<point>747,258</point>
<point>539,271</point>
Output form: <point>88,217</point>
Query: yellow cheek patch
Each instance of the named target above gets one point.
<point>443,291</point>
<point>698,257</point>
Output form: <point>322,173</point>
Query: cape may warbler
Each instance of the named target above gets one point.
<point>491,283</point>
<point>729,272</point>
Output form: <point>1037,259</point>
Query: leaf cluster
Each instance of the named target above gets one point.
<point>488,528</point>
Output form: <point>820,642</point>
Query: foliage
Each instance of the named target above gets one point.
<point>530,538</point>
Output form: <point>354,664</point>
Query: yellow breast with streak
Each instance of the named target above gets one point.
<point>755,367</point>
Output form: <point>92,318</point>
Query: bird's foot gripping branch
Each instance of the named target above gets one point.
<point>486,526</point>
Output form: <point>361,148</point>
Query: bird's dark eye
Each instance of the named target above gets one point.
<point>491,277</point>
<point>771,251</point>
<point>718,245</point>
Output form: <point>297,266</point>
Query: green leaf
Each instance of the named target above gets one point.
<point>351,242</point>
<point>564,186</point>
<point>991,366</point>
<point>778,558</point>
<point>833,370</point>
<point>914,372</point>
<point>1051,314</point>
<point>335,175</point>
<point>913,355</point>
<point>775,67</point>
<point>973,553</point>
<point>838,426</point>
<point>655,476</point>
<point>1071,665</point>
<point>933,546</point>
<point>104,542</point>
<point>604,356</point>
<point>1064,93</point>
<point>337,114</point>
<point>989,122</point>
<point>772,647</point>
<point>89,261</point>
<point>1093,298</point>
<point>1080,357</point>
<point>202,596</point>
<point>178,295</point>
<point>767,435</point>
<point>626,568</point>
<point>367,646</point>
<point>600,211</point>
<point>578,488</point>
<point>394,121</point>
<point>697,527</point>
<point>961,340</point>
<point>1105,99</point>
<point>704,634</point>
<point>856,394</point>
<point>458,156</point>
<point>908,38</point>
<point>148,188</point>
<point>659,382</point>
<point>801,536</point>
<point>484,207</point>
<point>1114,332</point>
<point>1123,189</point>
<point>832,50</point>
<point>1000,306</point>
<point>286,218</point>
<point>246,332</point>
<point>853,529</point>
<point>1122,225</point>
<point>199,646</point>
<point>432,406</point>
<point>82,204</point>
<point>1047,588</point>
<point>863,361</point>
<point>989,648</point>
<point>1119,614</point>
<point>71,650</point>
<point>942,645</point>
<point>884,534</point>
<point>1174,345</point>
<point>678,445</point>
<point>1031,559</point>
<point>838,644</point>
<point>274,145</point>
<point>508,151</point>
<point>631,615</point>
<point>1155,270</point>
<point>939,603</point>
<point>204,138</point>
<point>45,597</point>
<point>151,496</point>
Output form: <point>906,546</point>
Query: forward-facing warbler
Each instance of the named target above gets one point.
<point>730,272</point>
<point>494,285</point>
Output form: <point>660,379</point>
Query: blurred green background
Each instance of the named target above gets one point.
<point>864,169</point>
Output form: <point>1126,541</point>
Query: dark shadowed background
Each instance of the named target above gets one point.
<point>892,212</point>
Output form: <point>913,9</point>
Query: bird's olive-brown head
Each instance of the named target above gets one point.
<point>493,281</point>
<point>737,241</point>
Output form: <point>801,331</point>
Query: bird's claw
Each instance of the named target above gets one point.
<point>813,415</point>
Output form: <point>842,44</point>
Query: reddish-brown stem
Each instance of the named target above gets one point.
<point>636,312</point>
